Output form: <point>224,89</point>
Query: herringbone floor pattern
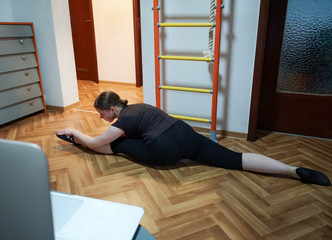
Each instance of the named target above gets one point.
<point>188,201</point>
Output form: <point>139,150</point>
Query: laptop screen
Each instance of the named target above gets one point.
<point>25,205</point>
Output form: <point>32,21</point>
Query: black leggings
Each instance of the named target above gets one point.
<point>178,142</point>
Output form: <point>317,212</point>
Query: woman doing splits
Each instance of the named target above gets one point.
<point>150,136</point>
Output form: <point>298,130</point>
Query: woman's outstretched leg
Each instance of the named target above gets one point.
<point>263,164</point>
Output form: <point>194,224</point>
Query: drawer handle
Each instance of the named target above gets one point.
<point>29,89</point>
<point>26,74</point>
<point>21,41</point>
<point>24,58</point>
<point>32,103</point>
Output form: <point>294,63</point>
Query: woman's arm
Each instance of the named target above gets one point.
<point>109,136</point>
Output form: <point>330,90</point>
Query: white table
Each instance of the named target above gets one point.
<point>78,217</point>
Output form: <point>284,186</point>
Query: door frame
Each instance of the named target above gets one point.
<point>137,42</point>
<point>94,42</point>
<point>258,68</point>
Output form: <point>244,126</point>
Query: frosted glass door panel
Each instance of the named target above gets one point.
<point>306,58</point>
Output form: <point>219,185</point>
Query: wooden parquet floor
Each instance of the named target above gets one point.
<point>188,201</point>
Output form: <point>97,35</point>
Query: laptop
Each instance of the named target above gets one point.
<point>29,210</point>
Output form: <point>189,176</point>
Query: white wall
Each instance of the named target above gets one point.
<point>51,23</point>
<point>65,51</point>
<point>238,43</point>
<point>6,13</point>
<point>114,33</point>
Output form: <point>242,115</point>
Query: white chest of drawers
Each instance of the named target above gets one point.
<point>21,90</point>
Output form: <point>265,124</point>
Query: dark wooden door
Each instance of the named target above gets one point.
<point>296,113</point>
<point>82,25</point>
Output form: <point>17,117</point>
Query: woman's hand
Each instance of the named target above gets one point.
<point>67,131</point>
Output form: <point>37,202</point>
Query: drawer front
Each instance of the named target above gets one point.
<point>14,46</point>
<point>18,78</point>
<point>12,30</point>
<point>19,94</point>
<point>17,62</point>
<point>19,110</point>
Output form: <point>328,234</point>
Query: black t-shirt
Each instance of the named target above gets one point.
<point>143,121</point>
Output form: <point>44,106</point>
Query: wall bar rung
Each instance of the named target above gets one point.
<point>191,118</point>
<point>204,59</point>
<point>201,90</point>
<point>186,24</point>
